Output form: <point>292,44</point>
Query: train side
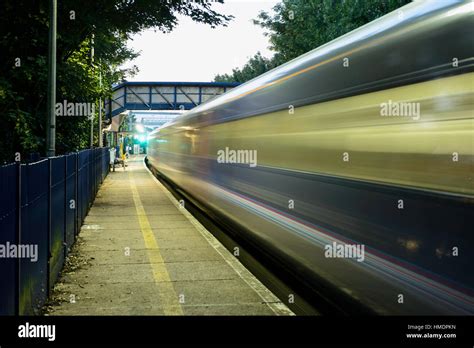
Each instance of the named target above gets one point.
<point>355,163</point>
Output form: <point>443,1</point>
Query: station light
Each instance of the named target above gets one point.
<point>139,128</point>
<point>142,138</point>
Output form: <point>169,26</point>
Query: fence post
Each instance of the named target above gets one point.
<point>76,197</point>
<point>96,170</point>
<point>94,173</point>
<point>102,169</point>
<point>18,238</point>
<point>66,207</point>
<point>101,165</point>
<point>105,165</point>
<point>48,233</point>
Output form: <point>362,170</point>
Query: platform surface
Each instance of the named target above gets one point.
<point>140,253</point>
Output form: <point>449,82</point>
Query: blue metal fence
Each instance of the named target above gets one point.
<point>8,223</point>
<point>42,206</point>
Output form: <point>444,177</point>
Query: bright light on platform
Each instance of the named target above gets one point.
<point>139,128</point>
<point>141,138</point>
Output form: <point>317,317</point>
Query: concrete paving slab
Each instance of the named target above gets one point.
<point>235,309</point>
<point>139,255</point>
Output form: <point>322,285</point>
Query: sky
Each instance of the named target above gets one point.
<point>195,52</point>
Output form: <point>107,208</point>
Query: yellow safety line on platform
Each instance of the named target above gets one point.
<point>166,292</point>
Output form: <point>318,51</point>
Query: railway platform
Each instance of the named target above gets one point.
<point>140,253</point>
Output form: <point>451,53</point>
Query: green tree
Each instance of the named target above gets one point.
<point>298,26</point>
<point>256,66</point>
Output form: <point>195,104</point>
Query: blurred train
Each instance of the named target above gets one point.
<point>363,149</point>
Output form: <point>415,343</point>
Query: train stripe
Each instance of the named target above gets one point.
<point>377,263</point>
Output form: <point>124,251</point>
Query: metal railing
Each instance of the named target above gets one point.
<point>42,207</point>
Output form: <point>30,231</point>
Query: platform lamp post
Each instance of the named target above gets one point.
<point>100,108</point>
<point>51,115</point>
<point>100,98</point>
<point>93,67</point>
